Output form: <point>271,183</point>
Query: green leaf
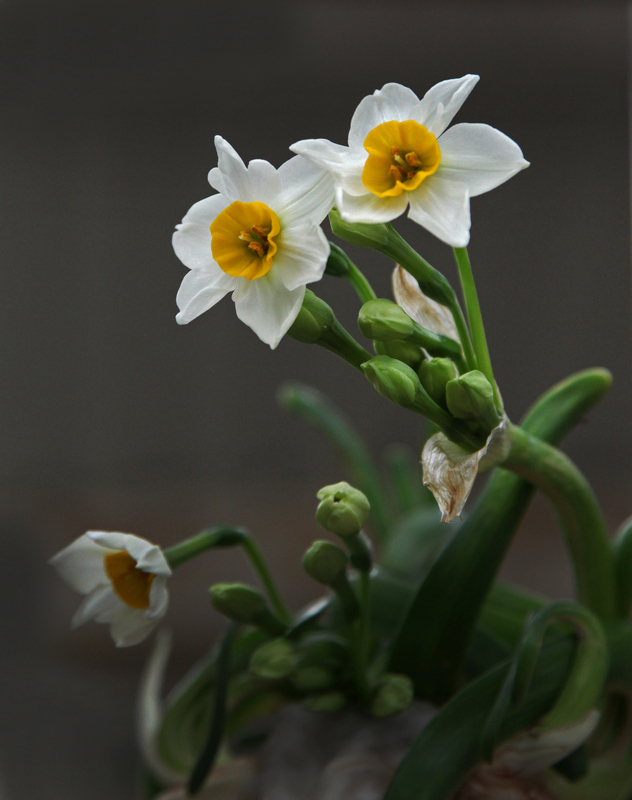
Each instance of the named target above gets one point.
<point>453,594</point>
<point>448,748</point>
<point>205,761</point>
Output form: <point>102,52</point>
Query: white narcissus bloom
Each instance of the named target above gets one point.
<point>124,578</point>
<point>259,238</point>
<point>401,154</point>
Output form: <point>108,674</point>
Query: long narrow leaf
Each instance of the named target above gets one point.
<point>450,599</point>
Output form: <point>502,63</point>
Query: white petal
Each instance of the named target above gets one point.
<point>392,102</point>
<point>268,307</point>
<point>131,626</point>
<point>158,597</point>
<point>439,105</point>
<point>302,255</point>
<point>80,565</point>
<point>201,290</point>
<point>422,309</point>
<point>230,176</point>
<point>148,556</point>
<point>344,163</point>
<point>101,604</point>
<point>479,156</point>
<point>265,182</point>
<point>192,238</point>
<point>307,191</point>
<point>443,208</point>
<point>369,207</point>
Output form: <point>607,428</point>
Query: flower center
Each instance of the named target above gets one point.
<point>131,584</point>
<point>401,156</point>
<point>242,239</point>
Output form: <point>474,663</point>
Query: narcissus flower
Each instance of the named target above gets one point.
<point>124,579</point>
<point>400,154</point>
<point>259,238</point>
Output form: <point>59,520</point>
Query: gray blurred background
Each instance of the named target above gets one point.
<point>113,417</point>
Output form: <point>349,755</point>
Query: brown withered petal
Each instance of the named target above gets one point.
<point>422,309</point>
<point>449,471</point>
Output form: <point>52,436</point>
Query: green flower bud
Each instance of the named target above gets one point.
<point>358,233</point>
<point>337,263</point>
<point>312,678</point>
<point>393,379</point>
<point>394,694</point>
<point>342,510</point>
<point>314,318</point>
<point>472,397</point>
<point>245,605</point>
<point>274,659</point>
<point>328,701</point>
<point>384,320</point>
<point>323,647</point>
<point>434,375</point>
<point>401,350</point>
<point>325,562</point>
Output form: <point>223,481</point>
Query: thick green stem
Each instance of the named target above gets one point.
<point>222,537</point>
<point>623,566</point>
<point>361,638</point>
<point>432,283</point>
<point>360,283</point>
<point>475,319</point>
<point>339,341</point>
<point>579,513</point>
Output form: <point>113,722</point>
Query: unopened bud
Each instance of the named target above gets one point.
<point>313,319</point>
<point>342,510</point>
<point>472,397</point>
<point>384,320</point>
<point>274,659</point>
<point>325,562</point>
<point>313,678</point>
<point>245,605</point>
<point>359,233</point>
<point>328,701</point>
<point>392,379</point>
<point>394,694</point>
<point>434,375</point>
<point>401,350</point>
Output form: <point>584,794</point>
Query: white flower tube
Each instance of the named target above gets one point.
<point>124,579</point>
<point>259,238</point>
<point>400,154</point>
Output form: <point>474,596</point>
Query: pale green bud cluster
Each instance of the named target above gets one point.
<point>393,695</point>
<point>471,397</point>
<point>325,562</point>
<point>313,320</point>
<point>342,510</point>
<point>245,605</point>
<point>385,321</point>
<point>434,375</point>
<point>393,379</point>
<point>274,659</point>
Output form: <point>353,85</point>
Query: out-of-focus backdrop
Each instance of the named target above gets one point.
<point>113,417</point>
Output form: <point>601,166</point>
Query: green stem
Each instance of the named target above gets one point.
<point>432,283</point>
<point>222,537</point>
<point>339,341</point>
<point>361,641</point>
<point>475,318</point>
<point>360,283</point>
<point>623,566</point>
<point>579,513</point>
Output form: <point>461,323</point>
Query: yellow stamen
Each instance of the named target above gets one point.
<point>238,252</point>
<point>401,156</point>
<point>131,584</point>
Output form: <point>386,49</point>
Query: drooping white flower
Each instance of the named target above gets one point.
<point>124,579</point>
<point>401,154</point>
<point>259,238</point>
